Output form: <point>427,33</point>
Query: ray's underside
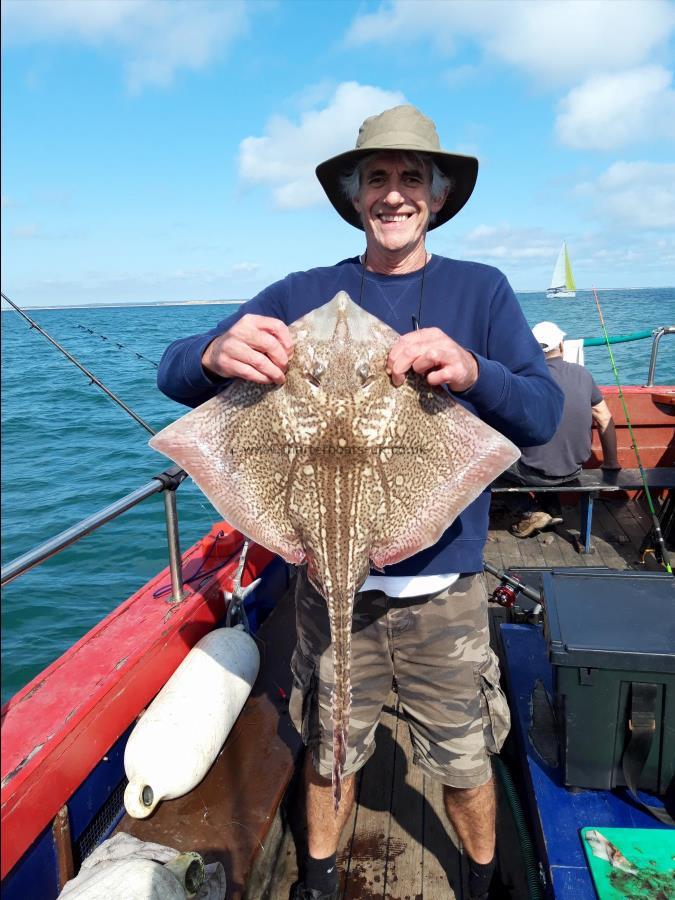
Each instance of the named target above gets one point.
<point>336,468</point>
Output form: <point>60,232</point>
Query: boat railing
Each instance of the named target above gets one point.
<point>658,334</point>
<point>166,482</point>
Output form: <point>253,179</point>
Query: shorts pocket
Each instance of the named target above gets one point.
<point>303,692</point>
<point>493,706</point>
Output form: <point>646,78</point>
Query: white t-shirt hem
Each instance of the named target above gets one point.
<point>409,585</point>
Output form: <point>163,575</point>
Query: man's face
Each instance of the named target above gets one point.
<point>395,203</point>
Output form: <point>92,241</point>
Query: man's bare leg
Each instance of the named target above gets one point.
<point>324,826</point>
<point>472,812</point>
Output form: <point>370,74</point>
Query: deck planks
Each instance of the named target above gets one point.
<point>633,522</point>
<point>531,551</point>
<point>552,549</point>
<point>367,848</point>
<point>405,857</point>
<point>501,549</point>
<point>615,543</point>
<point>402,845</point>
<point>566,536</point>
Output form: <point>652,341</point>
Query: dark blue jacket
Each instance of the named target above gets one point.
<point>472,303</point>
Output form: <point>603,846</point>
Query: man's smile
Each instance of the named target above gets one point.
<point>390,217</point>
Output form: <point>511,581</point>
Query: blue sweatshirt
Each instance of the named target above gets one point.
<point>473,304</point>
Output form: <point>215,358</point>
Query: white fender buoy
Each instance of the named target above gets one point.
<point>177,739</point>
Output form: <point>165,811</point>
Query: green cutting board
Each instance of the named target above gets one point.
<point>650,850</point>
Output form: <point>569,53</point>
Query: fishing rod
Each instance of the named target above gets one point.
<point>117,344</point>
<point>655,519</point>
<point>92,378</point>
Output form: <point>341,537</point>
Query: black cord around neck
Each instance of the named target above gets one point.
<point>415,319</point>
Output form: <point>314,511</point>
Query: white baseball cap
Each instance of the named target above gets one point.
<point>548,335</point>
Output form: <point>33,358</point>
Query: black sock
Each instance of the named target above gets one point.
<point>480,876</point>
<point>321,874</point>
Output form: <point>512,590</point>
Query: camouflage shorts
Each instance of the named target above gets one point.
<point>447,677</point>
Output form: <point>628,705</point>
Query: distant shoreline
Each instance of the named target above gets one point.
<point>151,303</point>
<point>121,305</point>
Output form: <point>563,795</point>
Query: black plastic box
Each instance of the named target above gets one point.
<point>605,632</point>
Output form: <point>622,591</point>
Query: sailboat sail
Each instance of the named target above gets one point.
<point>562,280</point>
<point>569,277</point>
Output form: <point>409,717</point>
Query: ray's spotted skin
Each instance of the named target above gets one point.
<point>336,468</point>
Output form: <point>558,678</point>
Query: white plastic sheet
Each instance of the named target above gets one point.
<point>125,868</point>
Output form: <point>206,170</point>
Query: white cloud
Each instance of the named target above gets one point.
<point>609,111</point>
<point>64,19</point>
<point>460,75</point>
<point>286,156</point>
<point>634,194</point>
<point>560,40</point>
<point>494,243</point>
<point>605,252</point>
<point>155,39</point>
<point>25,231</point>
<point>32,230</point>
<point>313,95</point>
<point>599,255</point>
<point>194,274</point>
<point>245,268</point>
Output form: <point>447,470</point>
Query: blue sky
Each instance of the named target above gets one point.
<point>165,150</point>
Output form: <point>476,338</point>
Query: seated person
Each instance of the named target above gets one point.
<point>560,459</point>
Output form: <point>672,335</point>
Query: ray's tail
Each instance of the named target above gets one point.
<point>341,700</point>
<point>340,734</point>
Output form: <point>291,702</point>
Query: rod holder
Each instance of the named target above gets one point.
<point>175,558</point>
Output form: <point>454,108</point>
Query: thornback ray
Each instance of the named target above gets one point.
<point>336,468</point>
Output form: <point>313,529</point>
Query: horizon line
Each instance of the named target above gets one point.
<point>138,303</point>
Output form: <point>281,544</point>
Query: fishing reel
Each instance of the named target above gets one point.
<point>505,595</point>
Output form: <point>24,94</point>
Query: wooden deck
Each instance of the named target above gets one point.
<point>398,844</point>
<point>619,528</point>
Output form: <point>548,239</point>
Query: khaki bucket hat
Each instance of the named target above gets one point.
<point>402,128</point>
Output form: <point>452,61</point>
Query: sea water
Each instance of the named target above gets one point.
<point>68,450</point>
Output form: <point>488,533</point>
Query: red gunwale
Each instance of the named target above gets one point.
<point>58,727</point>
<point>653,422</point>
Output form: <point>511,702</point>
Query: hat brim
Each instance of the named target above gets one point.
<point>462,170</point>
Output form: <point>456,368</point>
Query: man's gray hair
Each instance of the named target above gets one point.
<point>350,182</point>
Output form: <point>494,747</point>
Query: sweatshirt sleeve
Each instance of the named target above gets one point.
<point>514,391</point>
<point>181,375</point>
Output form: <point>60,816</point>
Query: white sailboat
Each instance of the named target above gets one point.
<point>562,280</point>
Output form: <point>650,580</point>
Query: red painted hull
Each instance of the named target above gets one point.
<point>652,415</point>
<point>58,727</point>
